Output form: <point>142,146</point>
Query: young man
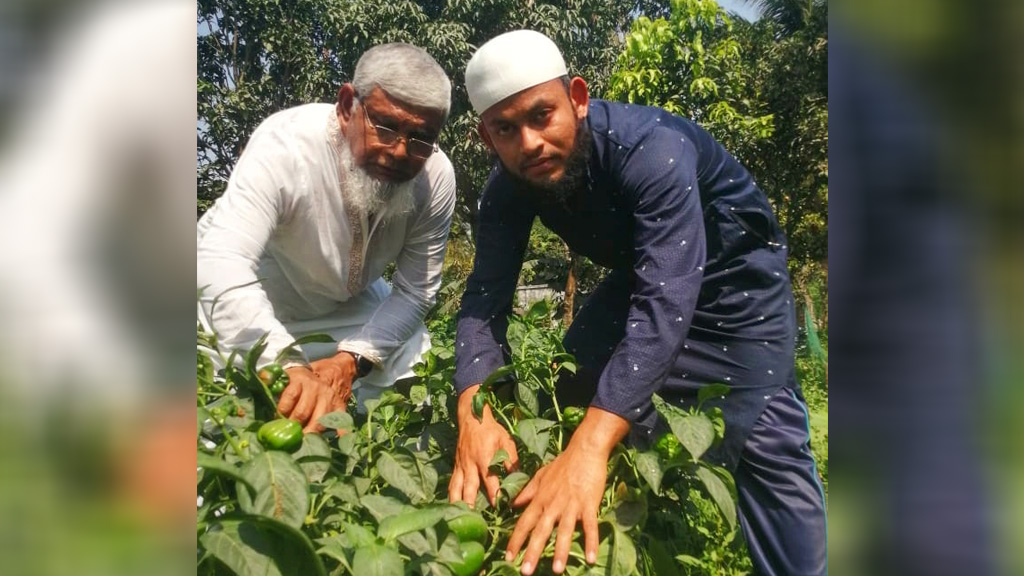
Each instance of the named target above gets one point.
<point>321,201</point>
<point>698,293</point>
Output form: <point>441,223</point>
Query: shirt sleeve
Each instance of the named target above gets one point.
<point>502,234</point>
<point>417,275</point>
<point>231,240</point>
<point>659,176</point>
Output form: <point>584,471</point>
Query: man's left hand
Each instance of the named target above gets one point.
<point>338,370</point>
<point>566,491</point>
<point>324,387</point>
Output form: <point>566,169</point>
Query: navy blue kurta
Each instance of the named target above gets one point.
<point>698,291</point>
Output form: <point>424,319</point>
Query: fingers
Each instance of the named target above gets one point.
<point>523,527</point>
<point>337,402</point>
<point>324,402</point>
<point>590,535</point>
<point>539,537</point>
<point>563,540</point>
<point>470,485</point>
<point>307,401</point>
<point>509,445</point>
<point>290,396</point>
<point>491,486</point>
<point>526,495</point>
<point>455,485</point>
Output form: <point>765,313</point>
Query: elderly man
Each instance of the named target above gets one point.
<point>698,293</point>
<point>322,200</point>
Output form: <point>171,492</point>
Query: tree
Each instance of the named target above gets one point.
<point>789,16</point>
<point>690,64</point>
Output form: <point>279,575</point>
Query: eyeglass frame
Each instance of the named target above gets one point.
<point>383,133</point>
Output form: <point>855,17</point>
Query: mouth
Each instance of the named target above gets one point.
<point>386,174</point>
<point>539,166</point>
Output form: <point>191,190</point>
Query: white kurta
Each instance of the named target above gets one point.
<point>283,255</point>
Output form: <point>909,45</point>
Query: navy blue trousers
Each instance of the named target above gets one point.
<point>781,501</point>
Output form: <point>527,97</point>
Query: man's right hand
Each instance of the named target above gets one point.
<point>307,398</point>
<point>478,442</point>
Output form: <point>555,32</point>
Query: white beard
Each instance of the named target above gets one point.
<point>368,195</point>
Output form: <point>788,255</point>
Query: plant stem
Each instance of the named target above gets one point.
<point>231,440</point>
<point>369,439</point>
<point>270,399</point>
<point>558,410</point>
<point>494,410</point>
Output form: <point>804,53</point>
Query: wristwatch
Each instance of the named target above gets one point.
<point>363,364</point>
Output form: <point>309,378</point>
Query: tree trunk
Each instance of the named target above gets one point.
<point>570,291</point>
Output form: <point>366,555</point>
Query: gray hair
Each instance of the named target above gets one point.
<point>406,73</point>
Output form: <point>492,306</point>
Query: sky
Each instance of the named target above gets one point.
<point>745,9</point>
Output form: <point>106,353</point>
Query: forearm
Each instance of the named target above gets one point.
<point>465,405</point>
<point>397,318</point>
<point>600,431</point>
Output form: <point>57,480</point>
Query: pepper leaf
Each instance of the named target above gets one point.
<point>207,462</point>
<point>337,421</point>
<point>623,555</point>
<point>695,432</point>
<point>377,560</point>
<point>717,390</point>
<point>405,473</point>
<point>260,545</point>
<point>411,520</point>
<point>314,457</point>
<point>719,492</point>
<point>281,488</point>
<point>514,483</point>
<point>649,467</point>
<point>535,434</point>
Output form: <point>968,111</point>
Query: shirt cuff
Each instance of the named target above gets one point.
<point>362,348</point>
<point>472,374</point>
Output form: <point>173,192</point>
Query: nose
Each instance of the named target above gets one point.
<point>532,142</point>
<point>397,151</point>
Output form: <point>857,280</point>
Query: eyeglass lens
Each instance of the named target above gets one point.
<point>387,137</point>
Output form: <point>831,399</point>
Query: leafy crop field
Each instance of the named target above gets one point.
<point>369,497</point>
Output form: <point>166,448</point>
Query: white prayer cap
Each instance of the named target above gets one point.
<point>511,63</point>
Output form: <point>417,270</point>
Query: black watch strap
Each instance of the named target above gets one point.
<point>363,365</point>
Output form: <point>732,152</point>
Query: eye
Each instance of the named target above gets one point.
<point>503,129</point>
<point>541,116</point>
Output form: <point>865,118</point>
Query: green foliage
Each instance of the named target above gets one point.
<point>812,374</point>
<point>789,65</point>
<point>789,16</point>
<point>547,260</point>
<point>690,64</point>
<point>373,500</point>
<point>458,263</point>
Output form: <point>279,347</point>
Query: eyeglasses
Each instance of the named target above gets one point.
<point>415,147</point>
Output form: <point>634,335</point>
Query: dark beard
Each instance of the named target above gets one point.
<point>574,178</point>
